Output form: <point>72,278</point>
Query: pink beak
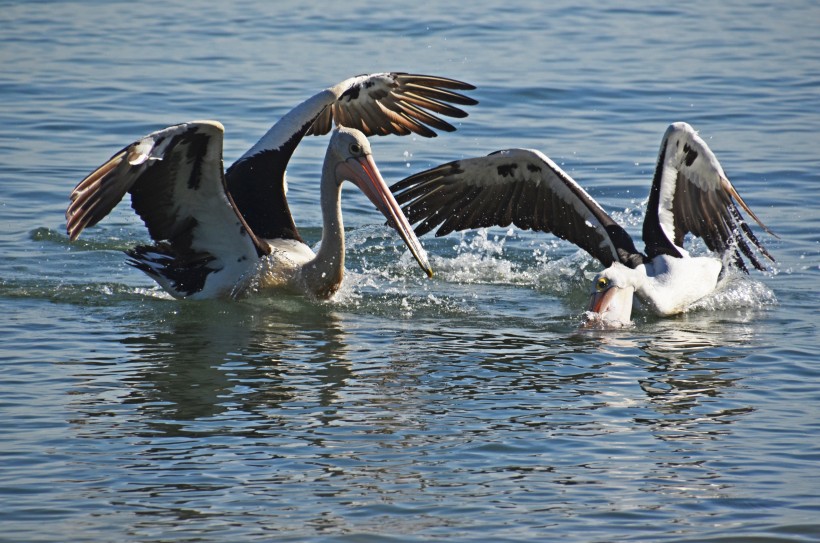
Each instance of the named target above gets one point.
<point>612,306</point>
<point>363,172</point>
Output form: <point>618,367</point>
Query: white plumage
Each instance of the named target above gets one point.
<point>216,232</point>
<point>690,193</point>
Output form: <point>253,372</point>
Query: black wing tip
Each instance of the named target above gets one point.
<point>415,103</point>
<point>742,232</point>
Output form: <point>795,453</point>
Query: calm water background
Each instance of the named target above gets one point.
<point>463,408</point>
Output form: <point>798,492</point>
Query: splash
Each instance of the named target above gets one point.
<point>736,290</point>
<point>595,321</point>
<point>516,257</point>
<point>633,216</point>
<point>399,295</point>
<point>480,259</point>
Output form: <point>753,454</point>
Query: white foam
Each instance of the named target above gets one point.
<point>737,290</point>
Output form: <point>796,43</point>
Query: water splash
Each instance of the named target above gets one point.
<point>473,269</point>
<point>595,321</point>
<point>736,290</point>
<point>479,258</point>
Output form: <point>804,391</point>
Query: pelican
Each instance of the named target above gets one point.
<point>690,193</point>
<point>223,233</point>
<point>204,248</point>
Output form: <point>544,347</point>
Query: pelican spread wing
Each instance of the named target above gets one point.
<point>175,178</point>
<point>515,186</point>
<point>394,103</point>
<point>375,104</point>
<point>691,194</point>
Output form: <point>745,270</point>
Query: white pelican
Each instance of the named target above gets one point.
<point>204,248</point>
<point>690,193</point>
<point>218,232</point>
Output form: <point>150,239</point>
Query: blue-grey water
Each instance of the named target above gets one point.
<point>468,407</point>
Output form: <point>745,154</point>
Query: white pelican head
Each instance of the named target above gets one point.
<point>611,296</point>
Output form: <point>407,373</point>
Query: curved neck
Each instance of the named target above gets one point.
<point>323,275</point>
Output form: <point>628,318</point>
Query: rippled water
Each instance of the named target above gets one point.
<point>469,407</point>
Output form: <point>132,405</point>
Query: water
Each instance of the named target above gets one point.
<point>464,408</point>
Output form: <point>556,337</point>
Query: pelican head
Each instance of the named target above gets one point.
<point>354,162</point>
<point>611,296</point>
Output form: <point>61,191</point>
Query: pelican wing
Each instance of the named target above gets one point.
<point>395,103</point>
<point>515,186</point>
<point>691,194</point>
<point>375,104</point>
<point>176,182</point>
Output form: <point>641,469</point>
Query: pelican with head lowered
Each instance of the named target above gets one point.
<point>690,194</point>
<point>217,233</point>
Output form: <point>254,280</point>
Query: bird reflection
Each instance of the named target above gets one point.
<point>206,360</point>
<point>688,370</point>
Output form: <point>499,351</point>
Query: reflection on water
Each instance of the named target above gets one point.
<point>254,359</point>
<point>689,365</point>
<point>229,404</point>
<point>235,360</point>
<point>475,387</point>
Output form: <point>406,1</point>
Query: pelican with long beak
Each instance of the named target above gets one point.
<point>214,228</point>
<point>690,193</point>
<point>203,246</point>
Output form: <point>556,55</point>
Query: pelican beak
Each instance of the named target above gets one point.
<point>612,306</point>
<point>363,172</point>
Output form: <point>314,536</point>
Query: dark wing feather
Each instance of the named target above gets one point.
<point>515,186</point>
<point>396,103</point>
<point>176,183</point>
<point>691,194</point>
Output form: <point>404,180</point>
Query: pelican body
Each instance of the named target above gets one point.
<point>224,233</point>
<point>690,193</point>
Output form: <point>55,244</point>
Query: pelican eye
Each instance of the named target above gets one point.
<point>355,149</point>
<point>601,284</point>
